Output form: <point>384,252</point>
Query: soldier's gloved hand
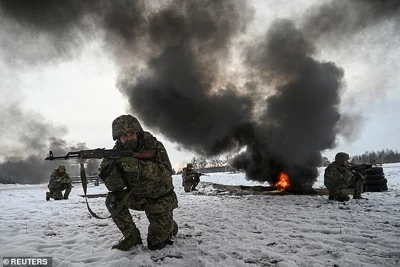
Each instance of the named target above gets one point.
<point>130,164</point>
<point>107,167</point>
<point>110,174</point>
<point>358,176</point>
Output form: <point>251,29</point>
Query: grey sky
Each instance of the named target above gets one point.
<point>80,92</point>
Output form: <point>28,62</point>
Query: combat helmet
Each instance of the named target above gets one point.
<point>341,156</point>
<point>61,167</point>
<point>189,165</point>
<point>125,124</point>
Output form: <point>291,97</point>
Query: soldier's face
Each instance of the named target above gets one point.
<point>61,170</point>
<point>346,162</point>
<point>128,136</point>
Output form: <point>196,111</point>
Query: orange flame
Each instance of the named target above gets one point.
<point>283,182</point>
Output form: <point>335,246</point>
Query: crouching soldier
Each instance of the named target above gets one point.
<point>338,177</point>
<point>142,183</point>
<point>190,178</point>
<point>59,181</point>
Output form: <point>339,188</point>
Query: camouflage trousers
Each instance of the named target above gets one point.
<point>190,182</point>
<point>340,194</point>
<point>56,193</point>
<point>159,212</point>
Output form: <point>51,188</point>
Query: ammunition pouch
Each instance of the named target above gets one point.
<point>111,176</point>
<point>112,171</point>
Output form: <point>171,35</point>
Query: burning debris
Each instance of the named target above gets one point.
<point>283,182</point>
<point>282,104</point>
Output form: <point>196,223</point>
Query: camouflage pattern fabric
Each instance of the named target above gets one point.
<point>150,181</point>
<point>58,183</point>
<point>341,156</point>
<point>125,124</point>
<point>337,178</point>
<point>190,178</point>
<point>57,194</point>
<point>158,211</point>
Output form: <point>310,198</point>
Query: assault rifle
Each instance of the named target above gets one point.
<point>100,153</point>
<point>202,174</point>
<point>360,168</point>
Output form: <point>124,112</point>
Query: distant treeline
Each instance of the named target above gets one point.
<point>383,156</point>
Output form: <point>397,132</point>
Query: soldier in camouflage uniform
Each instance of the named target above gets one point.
<point>338,178</point>
<point>190,178</point>
<point>59,181</point>
<point>143,184</point>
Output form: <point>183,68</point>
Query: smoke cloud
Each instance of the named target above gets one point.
<point>300,119</point>
<point>32,138</point>
<point>338,20</point>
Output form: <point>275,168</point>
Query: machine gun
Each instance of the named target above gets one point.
<point>359,168</point>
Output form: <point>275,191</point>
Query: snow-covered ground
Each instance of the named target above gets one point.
<point>215,230</point>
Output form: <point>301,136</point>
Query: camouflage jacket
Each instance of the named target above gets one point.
<point>147,178</point>
<point>57,179</point>
<point>337,177</point>
<point>188,173</point>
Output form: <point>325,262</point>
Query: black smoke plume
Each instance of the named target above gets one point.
<point>338,20</point>
<point>183,91</point>
<point>32,138</point>
<point>300,119</point>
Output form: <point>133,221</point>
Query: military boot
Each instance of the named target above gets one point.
<point>342,198</point>
<point>358,196</point>
<point>331,197</point>
<point>47,196</point>
<point>66,193</point>
<point>169,241</point>
<point>129,241</point>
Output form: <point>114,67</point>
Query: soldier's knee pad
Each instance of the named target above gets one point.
<point>111,202</point>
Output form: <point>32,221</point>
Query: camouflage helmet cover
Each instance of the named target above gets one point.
<point>342,156</point>
<point>125,124</point>
<point>189,165</point>
<point>61,167</point>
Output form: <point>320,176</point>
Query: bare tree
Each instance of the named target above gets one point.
<point>195,162</point>
<point>202,162</point>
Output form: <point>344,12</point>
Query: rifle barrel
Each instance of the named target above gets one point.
<point>61,157</point>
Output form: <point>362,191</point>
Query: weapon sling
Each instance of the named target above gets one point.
<point>84,186</point>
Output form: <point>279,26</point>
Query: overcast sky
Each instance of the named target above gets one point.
<point>80,92</point>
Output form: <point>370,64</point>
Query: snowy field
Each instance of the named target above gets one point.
<point>215,230</point>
